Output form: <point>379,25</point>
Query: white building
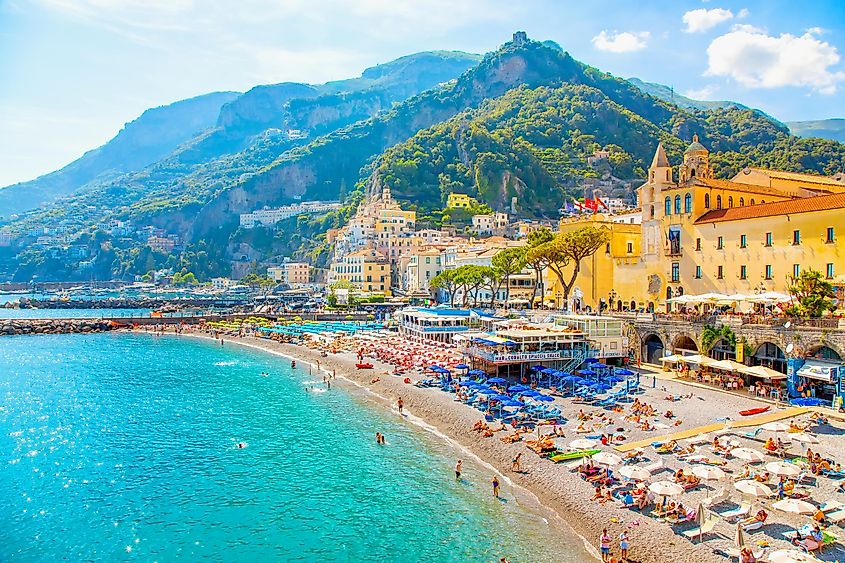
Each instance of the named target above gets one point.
<point>268,217</point>
<point>221,284</point>
<point>291,273</point>
<point>490,224</point>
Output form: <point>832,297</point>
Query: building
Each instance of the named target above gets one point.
<point>493,223</point>
<point>456,200</point>
<point>367,270</point>
<point>268,217</point>
<point>162,244</point>
<point>439,324</point>
<point>423,265</point>
<point>291,273</point>
<point>221,284</point>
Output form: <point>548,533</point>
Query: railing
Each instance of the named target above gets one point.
<point>509,357</point>
<point>418,328</point>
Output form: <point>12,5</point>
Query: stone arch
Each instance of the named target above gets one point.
<point>769,354</point>
<point>722,350</point>
<point>824,351</point>
<point>652,349</point>
<point>684,343</point>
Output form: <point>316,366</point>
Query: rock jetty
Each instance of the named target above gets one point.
<point>11,327</point>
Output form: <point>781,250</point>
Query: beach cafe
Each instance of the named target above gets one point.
<point>440,324</point>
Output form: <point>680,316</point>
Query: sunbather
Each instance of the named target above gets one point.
<point>811,541</point>
<point>759,517</point>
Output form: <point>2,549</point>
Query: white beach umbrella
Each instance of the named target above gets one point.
<point>783,469</point>
<point>582,444</point>
<point>670,358</point>
<point>739,538</point>
<point>708,473</point>
<point>794,506</point>
<point>666,488</point>
<point>804,438</point>
<point>607,458</point>
<point>790,556</point>
<point>635,473</point>
<point>747,454</point>
<point>726,365</point>
<point>775,427</point>
<point>753,488</point>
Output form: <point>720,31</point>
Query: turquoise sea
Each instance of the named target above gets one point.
<point>124,447</point>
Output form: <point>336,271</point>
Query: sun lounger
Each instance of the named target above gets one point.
<point>739,512</point>
<point>830,506</point>
<point>705,529</point>
<point>752,526</point>
<point>654,467</point>
<point>836,517</point>
<point>721,496</point>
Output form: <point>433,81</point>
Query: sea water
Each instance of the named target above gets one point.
<point>124,447</point>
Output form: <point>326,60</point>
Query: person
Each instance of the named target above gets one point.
<point>624,544</point>
<point>515,463</point>
<point>241,445</point>
<point>747,556</point>
<point>458,467</point>
<point>810,542</point>
<point>604,545</point>
<point>781,485</point>
<point>293,364</point>
<point>400,403</point>
<point>628,500</point>
<point>759,517</point>
<point>495,486</point>
<point>379,438</point>
<point>820,518</point>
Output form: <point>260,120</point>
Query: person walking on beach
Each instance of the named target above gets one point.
<point>624,544</point>
<point>515,467</point>
<point>400,403</point>
<point>458,467</point>
<point>495,486</point>
<point>604,545</point>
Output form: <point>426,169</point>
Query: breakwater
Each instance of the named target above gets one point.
<point>163,305</point>
<point>12,327</point>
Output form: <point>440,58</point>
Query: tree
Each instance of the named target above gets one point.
<point>492,281</point>
<point>469,278</point>
<point>813,293</point>
<point>570,248</point>
<point>536,259</point>
<point>508,262</point>
<point>445,280</point>
<point>184,278</point>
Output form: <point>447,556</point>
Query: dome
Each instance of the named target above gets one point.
<point>695,146</point>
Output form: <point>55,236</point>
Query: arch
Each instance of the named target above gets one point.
<point>679,291</point>
<point>668,293</point>
<point>718,202</point>
<point>742,202</point>
<point>678,204</point>
<point>692,173</point>
<point>770,355</point>
<point>706,201</point>
<point>684,343</point>
<point>667,204</point>
<point>762,201</point>
<point>824,352</point>
<point>752,201</point>
<point>633,305</point>
<point>730,201</point>
<point>652,349</point>
<point>688,203</point>
<point>722,350</point>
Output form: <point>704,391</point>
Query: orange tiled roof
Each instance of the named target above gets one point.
<point>798,205</point>
<point>729,185</point>
<point>799,177</point>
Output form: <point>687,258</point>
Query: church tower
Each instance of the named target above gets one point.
<point>696,162</point>
<point>659,177</point>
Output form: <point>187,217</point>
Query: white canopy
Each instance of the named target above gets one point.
<point>762,372</point>
<point>696,359</point>
<point>726,365</point>
<point>670,358</point>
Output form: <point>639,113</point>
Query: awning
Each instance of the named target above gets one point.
<point>818,370</point>
<point>762,372</point>
<point>670,358</point>
<point>726,365</point>
<point>696,359</point>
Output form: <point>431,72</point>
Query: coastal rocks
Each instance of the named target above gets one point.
<point>12,327</point>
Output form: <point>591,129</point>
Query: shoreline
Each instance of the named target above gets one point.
<point>556,490</point>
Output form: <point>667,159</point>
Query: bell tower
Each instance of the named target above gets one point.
<point>696,162</point>
<point>659,177</point>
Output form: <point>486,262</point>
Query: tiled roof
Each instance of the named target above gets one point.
<point>729,185</point>
<point>799,205</point>
<point>799,177</point>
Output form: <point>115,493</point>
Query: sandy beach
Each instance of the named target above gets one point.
<point>560,488</point>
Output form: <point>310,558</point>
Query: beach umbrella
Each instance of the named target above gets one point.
<point>496,380</point>
<point>623,371</point>
<point>582,444</point>
<point>513,403</point>
<point>635,473</point>
<point>586,372</point>
<point>544,398</point>
<point>461,366</point>
<point>790,556</point>
<point>607,458</point>
<point>775,427</point>
<point>804,438</point>
<point>794,506</point>
<point>476,372</point>
<point>739,538</point>
<point>665,488</point>
<point>747,454</point>
<point>708,473</point>
<point>518,388</point>
<point>783,469</point>
<point>753,488</point>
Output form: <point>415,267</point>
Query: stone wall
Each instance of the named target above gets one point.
<point>11,327</point>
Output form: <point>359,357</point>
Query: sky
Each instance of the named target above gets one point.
<point>72,72</point>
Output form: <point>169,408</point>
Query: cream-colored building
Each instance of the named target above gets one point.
<point>367,270</point>
<point>291,273</point>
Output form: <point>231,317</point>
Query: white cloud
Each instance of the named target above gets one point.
<point>757,60</point>
<point>621,42</point>
<point>703,19</point>
<point>743,13</point>
<point>706,92</point>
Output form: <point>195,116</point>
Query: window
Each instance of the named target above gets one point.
<point>768,239</point>
<point>720,272</point>
<point>741,201</point>
<point>796,237</point>
<point>676,271</point>
<point>698,244</point>
<point>796,270</point>
<point>829,271</point>
<point>698,272</point>
<point>752,201</point>
<point>668,206</point>
<point>830,235</point>
<point>720,243</point>
<point>630,248</point>
<point>428,259</point>
<point>607,248</point>
<point>677,204</point>
<point>706,201</point>
<point>718,202</point>
<point>743,241</point>
<point>743,272</point>
<point>768,271</point>
<point>688,203</point>
<point>730,201</point>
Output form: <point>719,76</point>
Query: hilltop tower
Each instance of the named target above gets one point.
<point>696,162</point>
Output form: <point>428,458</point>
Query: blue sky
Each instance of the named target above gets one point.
<point>72,72</point>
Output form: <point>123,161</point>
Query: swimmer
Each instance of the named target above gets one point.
<point>378,437</point>
<point>241,445</point>
<point>293,364</point>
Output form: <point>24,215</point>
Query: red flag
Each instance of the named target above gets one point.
<point>600,202</point>
<point>591,204</point>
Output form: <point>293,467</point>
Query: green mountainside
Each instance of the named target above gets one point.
<point>141,142</point>
<point>668,94</point>
<point>833,129</point>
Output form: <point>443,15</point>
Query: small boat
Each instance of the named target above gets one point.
<point>364,366</point>
<point>566,456</point>
<point>758,410</point>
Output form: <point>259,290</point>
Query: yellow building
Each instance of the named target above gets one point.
<point>751,233</point>
<point>367,270</point>
<point>459,200</point>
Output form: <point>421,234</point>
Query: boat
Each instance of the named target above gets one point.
<point>566,456</point>
<point>758,410</point>
<point>364,366</point>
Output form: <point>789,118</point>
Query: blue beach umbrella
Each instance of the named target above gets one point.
<point>496,380</point>
<point>513,403</point>
<point>623,371</point>
<point>592,360</point>
<point>461,366</point>
<point>517,388</point>
<point>476,372</point>
<point>587,372</point>
<point>544,398</point>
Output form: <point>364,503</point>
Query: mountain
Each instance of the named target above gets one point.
<point>833,129</point>
<point>153,135</point>
<point>668,94</point>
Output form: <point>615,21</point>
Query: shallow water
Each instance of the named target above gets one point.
<point>118,446</point>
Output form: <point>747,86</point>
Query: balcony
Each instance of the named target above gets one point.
<point>673,251</point>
